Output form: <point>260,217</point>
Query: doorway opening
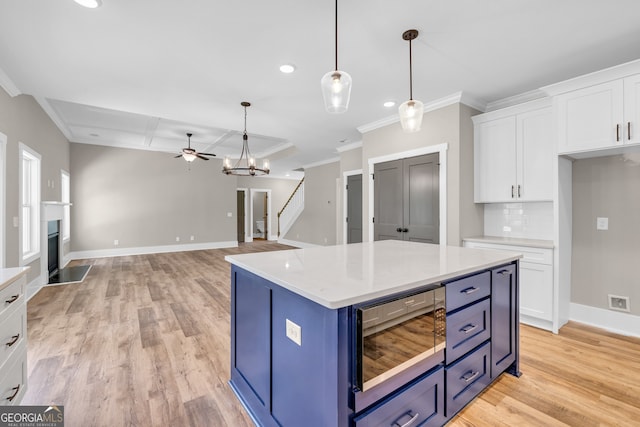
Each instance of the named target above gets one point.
<point>260,211</point>
<point>352,207</point>
<point>241,203</point>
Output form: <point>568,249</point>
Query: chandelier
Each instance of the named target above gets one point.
<point>246,164</point>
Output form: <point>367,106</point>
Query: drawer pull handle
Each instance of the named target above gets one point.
<point>618,132</point>
<point>469,290</point>
<point>470,376</point>
<point>12,299</point>
<point>14,339</point>
<point>629,131</point>
<point>504,273</point>
<point>17,390</point>
<point>408,423</point>
<point>468,328</point>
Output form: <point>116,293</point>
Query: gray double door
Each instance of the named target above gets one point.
<point>407,199</point>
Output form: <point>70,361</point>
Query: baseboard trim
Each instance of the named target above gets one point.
<point>33,287</point>
<point>612,321</point>
<point>145,250</point>
<point>297,244</point>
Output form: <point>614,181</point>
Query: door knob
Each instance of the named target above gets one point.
<point>399,230</point>
<point>405,230</point>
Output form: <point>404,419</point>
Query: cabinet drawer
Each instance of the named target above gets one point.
<point>466,378</point>
<point>13,379</point>
<point>12,296</point>
<point>529,254</point>
<point>12,333</point>
<point>468,328</point>
<point>420,404</point>
<point>465,291</point>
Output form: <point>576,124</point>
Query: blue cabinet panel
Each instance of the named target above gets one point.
<point>421,404</point>
<point>305,377</point>
<point>466,378</point>
<point>252,313</point>
<point>504,319</point>
<point>467,329</point>
<point>467,290</point>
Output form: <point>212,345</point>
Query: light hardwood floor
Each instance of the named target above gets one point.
<point>144,341</point>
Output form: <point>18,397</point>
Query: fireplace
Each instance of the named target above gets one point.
<point>53,244</point>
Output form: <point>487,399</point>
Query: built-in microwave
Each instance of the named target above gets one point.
<point>395,335</point>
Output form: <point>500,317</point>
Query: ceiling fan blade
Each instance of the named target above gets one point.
<point>201,157</point>
<point>179,155</point>
<point>207,154</point>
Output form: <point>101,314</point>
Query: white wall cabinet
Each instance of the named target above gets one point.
<point>514,151</point>
<point>537,293</point>
<point>598,117</point>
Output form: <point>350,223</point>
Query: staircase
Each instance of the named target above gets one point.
<point>291,210</point>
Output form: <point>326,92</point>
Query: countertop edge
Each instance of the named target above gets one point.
<point>345,302</point>
<point>10,275</point>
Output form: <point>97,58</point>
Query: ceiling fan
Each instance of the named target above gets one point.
<point>190,154</point>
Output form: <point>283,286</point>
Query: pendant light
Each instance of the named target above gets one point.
<point>336,84</point>
<point>412,110</point>
<point>246,164</point>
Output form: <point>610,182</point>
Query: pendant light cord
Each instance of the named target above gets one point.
<point>410,73</point>
<point>336,35</point>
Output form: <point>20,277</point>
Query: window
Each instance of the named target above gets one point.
<point>30,202</point>
<point>65,186</point>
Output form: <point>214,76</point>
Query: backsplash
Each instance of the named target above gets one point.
<point>531,220</point>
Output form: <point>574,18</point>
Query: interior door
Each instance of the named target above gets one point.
<point>387,207</point>
<point>407,199</point>
<point>354,208</point>
<point>421,182</point>
<point>240,215</point>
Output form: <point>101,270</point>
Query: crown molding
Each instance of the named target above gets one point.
<point>349,147</point>
<point>321,163</point>
<point>456,98</point>
<point>510,101</point>
<point>53,115</point>
<point>612,73</point>
<point>8,85</point>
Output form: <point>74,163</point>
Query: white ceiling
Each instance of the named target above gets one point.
<point>142,73</point>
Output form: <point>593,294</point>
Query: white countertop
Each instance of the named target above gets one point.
<point>342,275</point>
<point>9,275</point>
<point>513,241</point>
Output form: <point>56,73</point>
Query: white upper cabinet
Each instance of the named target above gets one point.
<point>514,154</point>
<point>632,109</point>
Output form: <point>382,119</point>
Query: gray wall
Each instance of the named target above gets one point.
<point>144,198</point>
<point>23,120</point>
<point>349,161</point>
<point>317,223</point>
<point>603,262</point>
<point>452,125</point>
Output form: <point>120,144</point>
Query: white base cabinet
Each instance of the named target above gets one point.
<point>536,283</point>
<point>13,336</point>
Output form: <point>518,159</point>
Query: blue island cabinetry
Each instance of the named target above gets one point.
<point>293,360</point>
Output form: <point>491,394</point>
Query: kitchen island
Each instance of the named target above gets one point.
<point>296,335</point>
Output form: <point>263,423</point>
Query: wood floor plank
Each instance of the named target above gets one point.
<point>144,341</point>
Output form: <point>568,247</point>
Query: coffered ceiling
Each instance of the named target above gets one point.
<point>142,73</point>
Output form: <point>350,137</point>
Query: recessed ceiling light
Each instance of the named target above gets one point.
<point>287,68</point>
<point>95,135</point>
<point>389,104</point>
<point>91,4</point>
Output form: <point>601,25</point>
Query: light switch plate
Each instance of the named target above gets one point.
<point>294,332</point>
<point>602,223</point>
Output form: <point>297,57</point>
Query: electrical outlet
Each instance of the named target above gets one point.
<point>602,223</point>
<point>294,332</point>
<point>192,238</point>
<point>177,239</point>
<point>229,214</point>
<point>116,242</point>
<point>618,303</point>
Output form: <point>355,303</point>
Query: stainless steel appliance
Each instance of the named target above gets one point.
<point>395,335</point>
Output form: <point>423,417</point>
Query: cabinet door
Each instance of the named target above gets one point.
<point>495,160</point>
<point>504,319</point>
<point>536,290</point>
<point>632,109</point>
<point>591,118</point>
<point>535,151</point>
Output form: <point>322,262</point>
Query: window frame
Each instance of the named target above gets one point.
<point>32,253</point>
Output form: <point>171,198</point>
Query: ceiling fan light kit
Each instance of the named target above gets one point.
<point>411,111</point>
<point>246,164</point>
<point>336,84</point>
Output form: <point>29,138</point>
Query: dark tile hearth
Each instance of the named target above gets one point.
<point>73,274</point>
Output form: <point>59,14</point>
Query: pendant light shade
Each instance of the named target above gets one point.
<point>411,111</point>
<point>336,84</point>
